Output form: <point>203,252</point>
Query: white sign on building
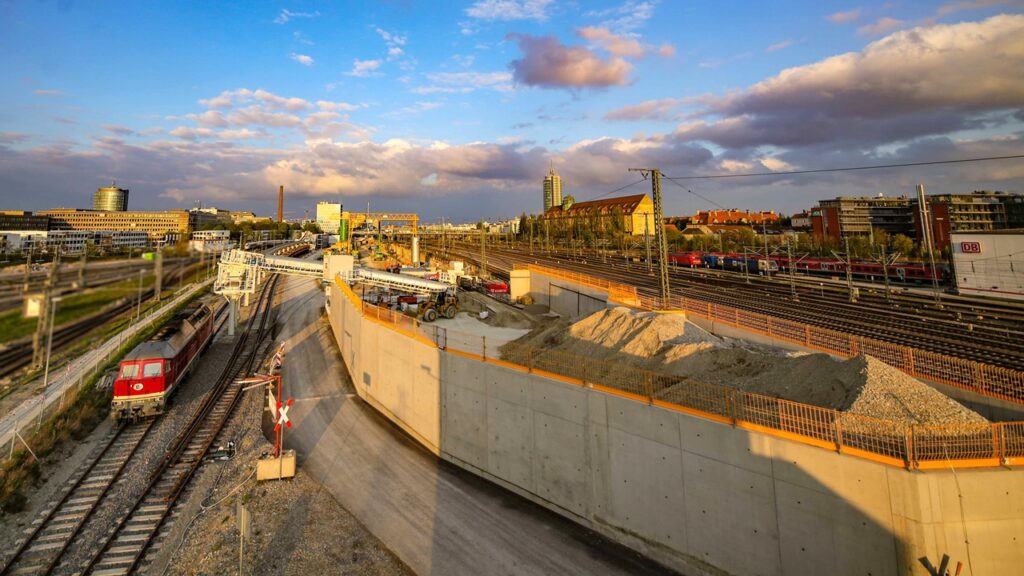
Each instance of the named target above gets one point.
<point>989,263</point>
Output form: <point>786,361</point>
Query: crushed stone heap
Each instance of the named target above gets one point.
<point>669,344</point>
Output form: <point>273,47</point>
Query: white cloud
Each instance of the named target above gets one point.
<point>287,15</point>
<point>509,10</point>
<point>301,38</point>
<point>414,109</point>
<point>779,46</point>
<point>844,17</point>
<point>649,110</point>
<point>302,59</point>
<point>464,82</point>
<point>548,63</point>
<point>614,44</point>
<point>364,68</point>
<point>338,106</point>
<point>42,92</point>
<point>626,18</point>
<point>230,98</point>
<point>881,26</point>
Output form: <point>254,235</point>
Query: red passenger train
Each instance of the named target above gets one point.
<point>151,372</point>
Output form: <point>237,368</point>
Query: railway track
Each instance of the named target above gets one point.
<point>18,355</point>
<point>993,344</point>
<point>125,547</point>
<point>50,535</point>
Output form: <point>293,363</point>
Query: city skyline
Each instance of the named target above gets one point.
<point>460,110</point>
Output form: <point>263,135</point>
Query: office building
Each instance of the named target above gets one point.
<point>112,199</point>
<point>159,226</point>
<point>733,216</point>
<point>19,220</point>
<point>328,217</point>
<point>552,190</point>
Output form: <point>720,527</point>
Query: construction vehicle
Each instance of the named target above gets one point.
<point>444,303</point>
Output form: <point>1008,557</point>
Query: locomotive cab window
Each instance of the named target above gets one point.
<point>151,369</point>
<point>129,371</point>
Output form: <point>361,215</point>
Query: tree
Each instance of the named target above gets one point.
<point>902,244</point>
<point>312,227</point>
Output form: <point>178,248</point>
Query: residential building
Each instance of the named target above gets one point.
<point>861,215</point>
<point>980,211</point>
<point>159,226</point>
<point>552,190</point>
<point>636,214</point>
<point>111,198</point>
<point>800,221</point>
<point>328,217</point>
<point>239,217</point>
<point>732,216</point>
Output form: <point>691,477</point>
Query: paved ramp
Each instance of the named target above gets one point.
<point>438,519</point>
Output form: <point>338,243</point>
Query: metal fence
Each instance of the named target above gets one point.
<point>986,379</point>
<point>889,442</point>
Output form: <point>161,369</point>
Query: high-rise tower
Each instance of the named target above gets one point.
<point>552,189</point>
<point>112,199</point>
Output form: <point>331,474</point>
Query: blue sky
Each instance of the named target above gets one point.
<point>459,107</point>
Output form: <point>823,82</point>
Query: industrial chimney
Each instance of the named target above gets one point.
<point>280,204</point>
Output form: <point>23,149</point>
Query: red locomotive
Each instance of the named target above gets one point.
<point>151,372</point>
<point>691,259</point>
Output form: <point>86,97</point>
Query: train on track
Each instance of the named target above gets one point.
<point>905,272</point>
<point>149,375</point>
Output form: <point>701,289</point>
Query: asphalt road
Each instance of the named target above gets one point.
<point>437,518</point>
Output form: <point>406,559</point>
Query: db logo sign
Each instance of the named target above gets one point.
<point>970,247</point>
<point>137,386</point>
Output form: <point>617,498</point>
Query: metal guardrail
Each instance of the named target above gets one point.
<point>66,382</point>
<point>884,441</point>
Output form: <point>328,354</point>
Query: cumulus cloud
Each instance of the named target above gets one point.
<point>929,80</point>
<point>647,110</point>
<point>303,59</point>
<point>844,17</point>
<point>364,68</point>
<point>509,10</point>
<point>230,98</point>
<point>881,26</point>
<point>548,63</point>
<point>287,15</point>
<point>614,44</point>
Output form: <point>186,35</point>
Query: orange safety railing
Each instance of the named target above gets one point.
<point>970,375</point>
<point>888,442</point>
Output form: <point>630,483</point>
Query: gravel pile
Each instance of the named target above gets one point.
<point>668,344</point>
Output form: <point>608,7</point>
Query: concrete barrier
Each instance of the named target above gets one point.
<point>699,496</point>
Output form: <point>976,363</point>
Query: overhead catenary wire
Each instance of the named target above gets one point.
<point>619,189</point>
<point>843,169</point>
<point>705,198</point>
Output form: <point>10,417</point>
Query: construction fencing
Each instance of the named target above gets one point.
<point>888,442</point>
<point>985,379</point>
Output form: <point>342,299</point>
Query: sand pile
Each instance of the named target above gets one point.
<point>668,344</point>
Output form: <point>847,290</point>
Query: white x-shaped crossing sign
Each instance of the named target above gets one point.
<point>282,415</point>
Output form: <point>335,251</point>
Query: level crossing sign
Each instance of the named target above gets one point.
<point>282,415</point>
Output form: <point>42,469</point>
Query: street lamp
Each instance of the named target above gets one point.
<point>49,340</point>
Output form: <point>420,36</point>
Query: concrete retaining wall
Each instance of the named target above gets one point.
<point>697,495</point>
<point>567,298</point>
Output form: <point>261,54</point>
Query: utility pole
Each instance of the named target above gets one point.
<point>38,352</point>
<point>483,251</point>
<point>647,241</point>
<point>158,271</point>
<point>659,230</point>
<point>886,262</point>
<point>81,269</point>
<point>138,309</point>
<point>531,236</point>
<point>926,227</point>
<point>789,261</point>
<point>849,268</point>
<point>28,263</point>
